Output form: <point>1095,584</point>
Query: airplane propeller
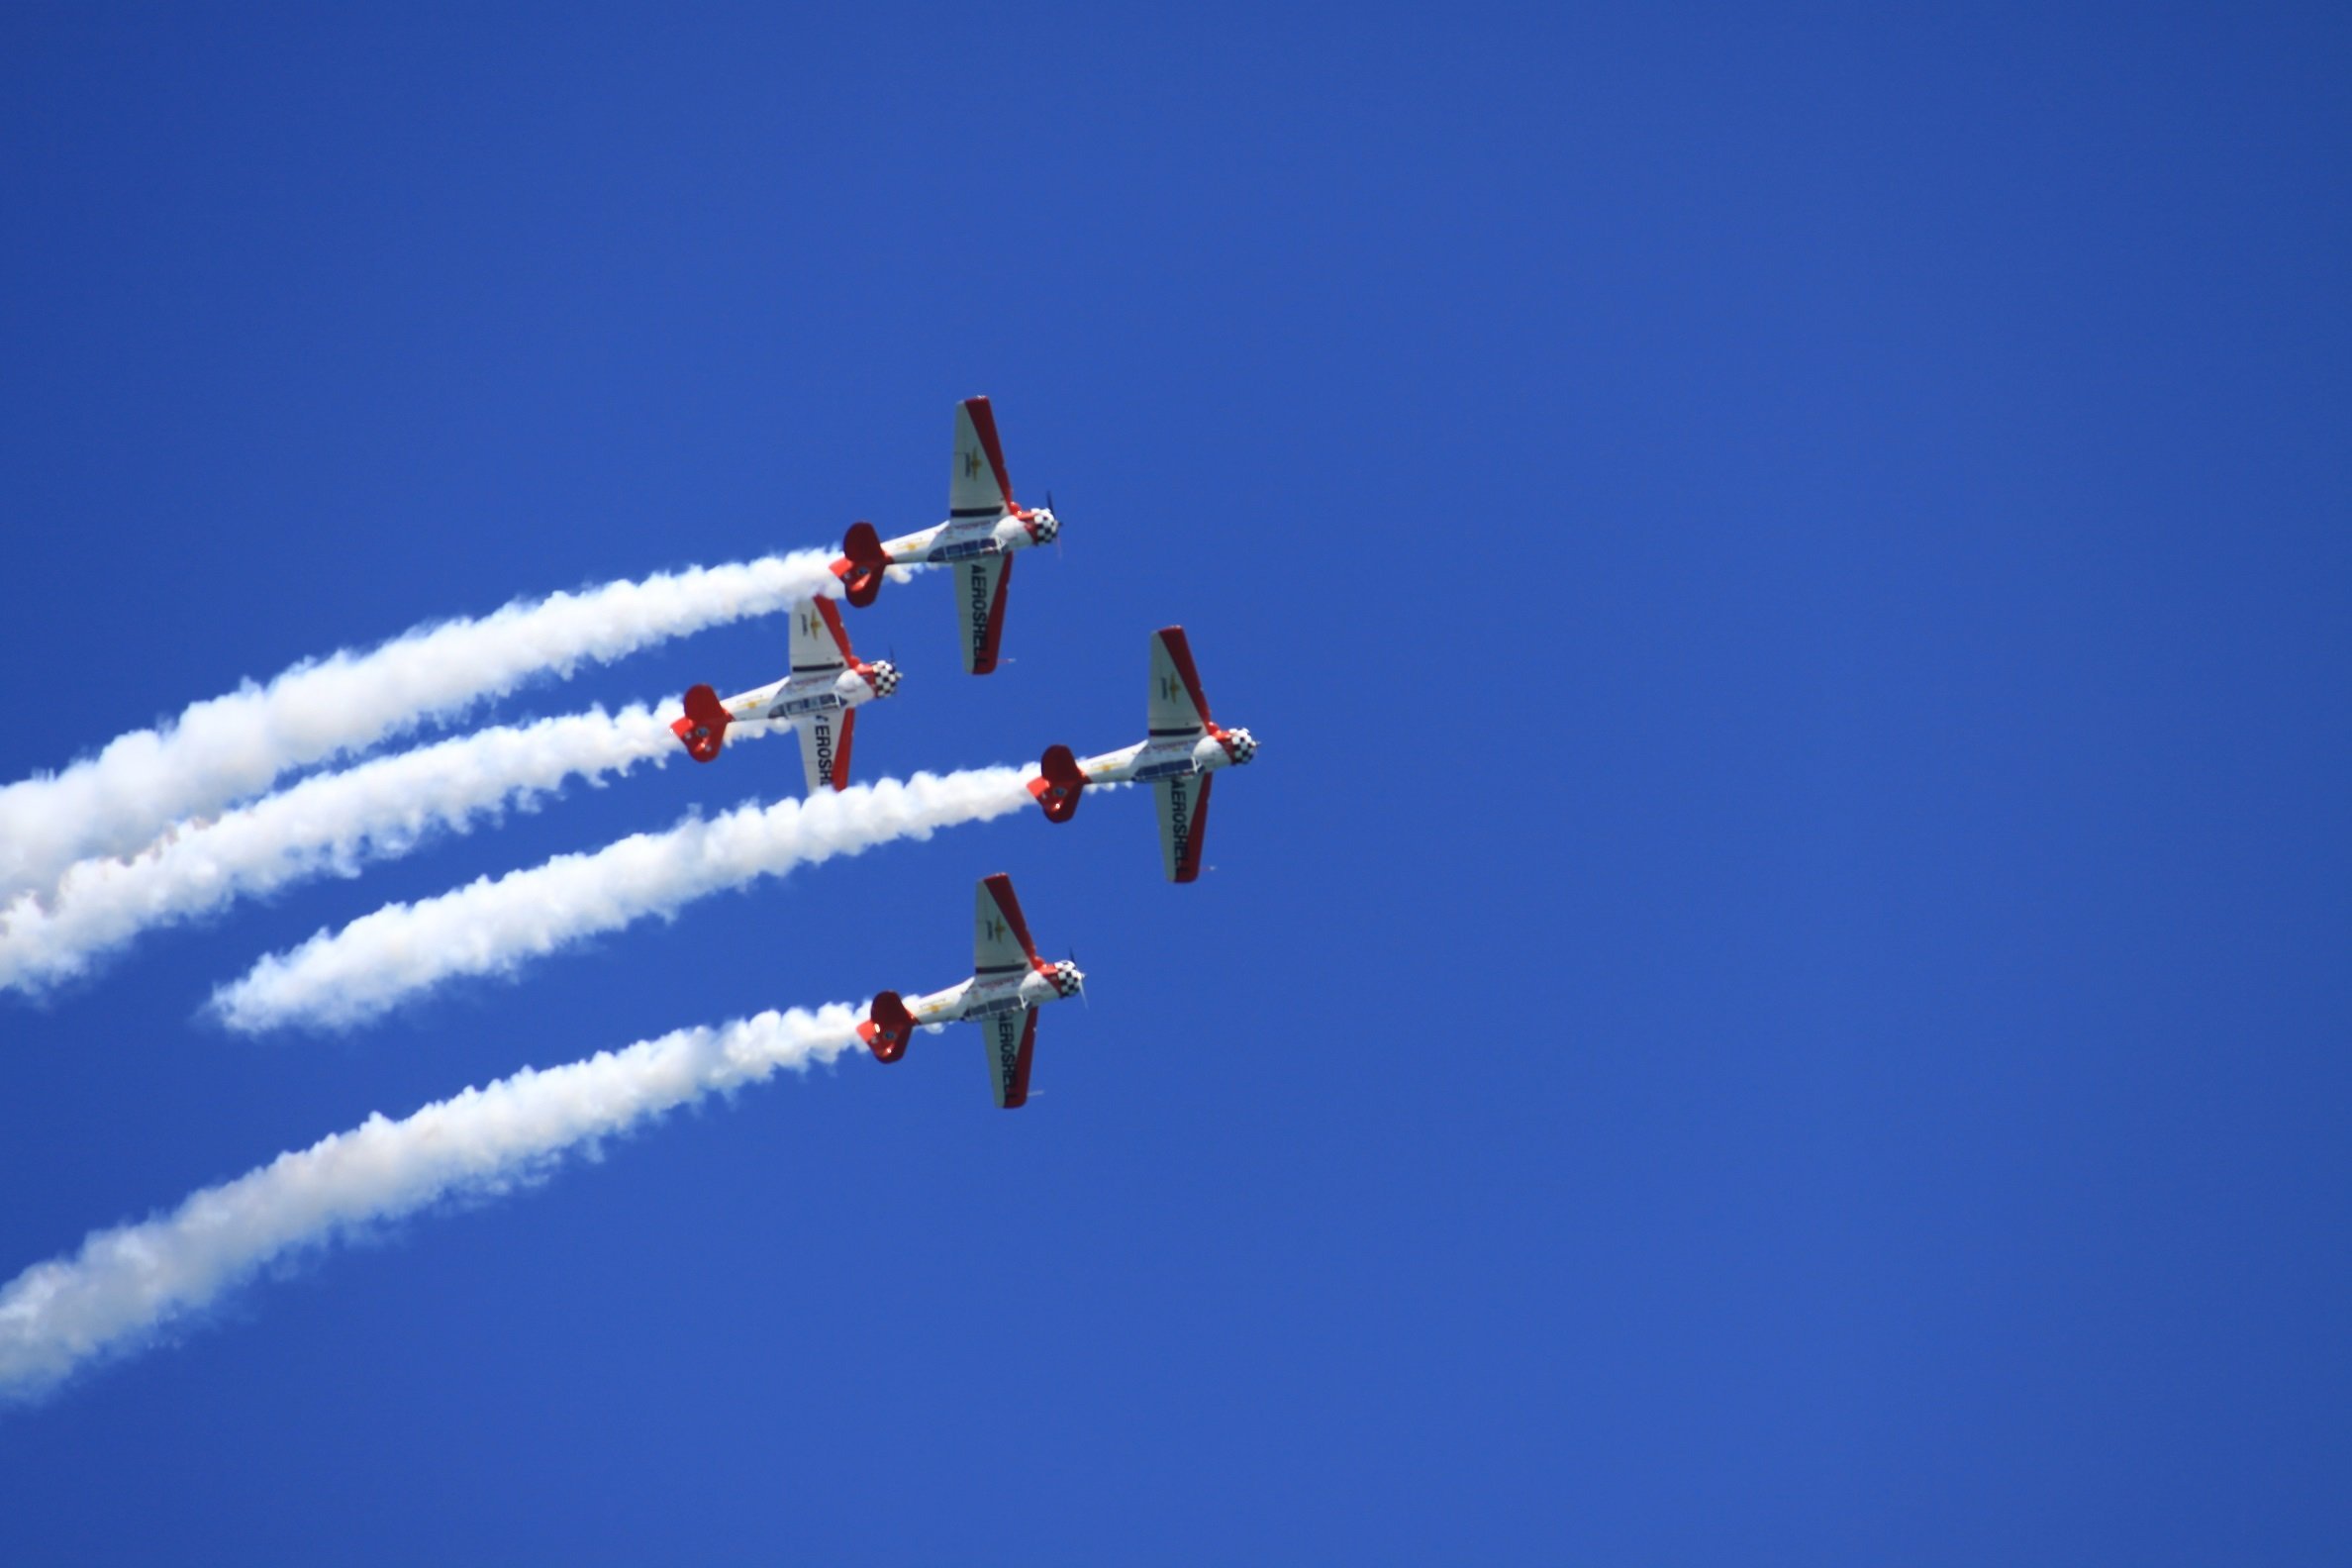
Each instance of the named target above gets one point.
<point>1081,979</point>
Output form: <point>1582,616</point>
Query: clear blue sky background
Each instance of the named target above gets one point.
<point>1778,990</point>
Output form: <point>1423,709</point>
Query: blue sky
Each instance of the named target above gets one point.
<point>1775,993</point>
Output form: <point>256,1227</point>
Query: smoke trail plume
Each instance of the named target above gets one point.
<point>495,927</point>
<point>225,748</point>
<point>331,823</point>
<point>126,1283</point>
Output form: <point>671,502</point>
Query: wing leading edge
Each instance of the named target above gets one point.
<point>1001,942</point>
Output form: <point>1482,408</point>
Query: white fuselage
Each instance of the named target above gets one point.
<point>1149,760</point>
<point>984,995</point>
<point>796,698</point>
<point>964,539</point>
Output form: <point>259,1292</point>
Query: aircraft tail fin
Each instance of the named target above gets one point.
<point>887,1028</point>
<point>1058,784</point>
<point>861,564</point>
<point>704,728</point>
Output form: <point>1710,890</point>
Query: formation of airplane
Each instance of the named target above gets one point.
<point>1181,747</point>
<point>983,530</point>
<point>1182,750</point>
<point>819,698</point>
<point>1009,983</point>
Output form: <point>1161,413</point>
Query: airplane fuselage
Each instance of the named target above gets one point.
<point>798,697</point>
<point>967,538</point>
<point>1147,761</point>
<point>985,996</point>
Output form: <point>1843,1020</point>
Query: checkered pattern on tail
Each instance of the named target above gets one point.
<point>1239,744</point>
<point>1042,526</point>
<point>882,676</point>
<point>1067,979</point>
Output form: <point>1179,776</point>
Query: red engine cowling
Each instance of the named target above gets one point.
<point>704,728</point>
<point>888,1028</point>
<point>1058,784</point>
<point>861,564</point>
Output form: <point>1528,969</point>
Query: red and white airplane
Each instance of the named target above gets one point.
<point>1009,983</point>
<point>1182,747</point>
<point>819,698</point>
<point>983,529</point>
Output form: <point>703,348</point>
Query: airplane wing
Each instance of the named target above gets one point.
<point>1184,822</point>
<point>1178,707</point>
<point>977,486</point>
<point>825,747</point>
<point>819,645</point>
<point>1000,941</point>
<point>980,600</point>
<point>1010,1038</point>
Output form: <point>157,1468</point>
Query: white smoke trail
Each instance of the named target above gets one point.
<point>126,1283</point>
<point>495,927</point>
<point>331,823</point>
<point>227,748</point>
